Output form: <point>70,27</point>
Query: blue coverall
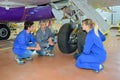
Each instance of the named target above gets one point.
<point>93,53</point>
<point>21,42</point>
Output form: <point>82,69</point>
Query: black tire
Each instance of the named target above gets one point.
<point>80,39</point>
<point>4,32</point>
<point>63,39</point>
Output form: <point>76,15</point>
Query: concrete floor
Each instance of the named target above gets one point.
<point>61,66</point>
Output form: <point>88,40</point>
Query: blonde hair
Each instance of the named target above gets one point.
<point>91,24</point>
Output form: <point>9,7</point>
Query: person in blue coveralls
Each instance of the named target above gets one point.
<point>24,44</point>
<point>93,54</point>
<point>44,38</point>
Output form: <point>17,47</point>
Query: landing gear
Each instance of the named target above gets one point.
<point>64,42</point>
<point>70,39</point>
<point>4,32</point>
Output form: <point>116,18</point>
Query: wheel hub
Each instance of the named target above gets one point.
<point>3,32</point>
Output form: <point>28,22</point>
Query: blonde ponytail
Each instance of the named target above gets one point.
<point>96,29</point>
<point>91,24</point>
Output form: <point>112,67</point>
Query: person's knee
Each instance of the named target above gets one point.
<point>41,52</point>
<point>51,47</point>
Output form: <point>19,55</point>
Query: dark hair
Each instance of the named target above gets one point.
<point>28,24</point>
<point>64,7</point>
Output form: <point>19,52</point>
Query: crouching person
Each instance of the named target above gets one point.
<point>44,38</point>
<point>24,44</point>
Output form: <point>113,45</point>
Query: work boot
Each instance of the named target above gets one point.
<point>101,67</point>
<point>76,55</point>
<point>29,59</point>
<point>19,61</point>
<point>49,53</point>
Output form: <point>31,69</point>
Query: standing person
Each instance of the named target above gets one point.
<point>25,43</point>
<point>44,38</point>
<point>93,54</point>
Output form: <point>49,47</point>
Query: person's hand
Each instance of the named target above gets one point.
<point>49,39</point>
<point>38,47</point>
<point>50,43</point>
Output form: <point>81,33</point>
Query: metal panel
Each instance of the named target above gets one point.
<point>13,14</point>
<point>38,13</point>
<point>21,14</point>
<point>91,13</point>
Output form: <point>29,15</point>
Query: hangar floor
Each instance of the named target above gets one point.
<point>61,66</point>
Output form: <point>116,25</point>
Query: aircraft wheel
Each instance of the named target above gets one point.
<point>4,32</point>
<point>63,39</point>
<point>80,40</point>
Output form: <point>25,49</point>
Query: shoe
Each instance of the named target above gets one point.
<point>76,55</point>
<point>50,54</point>
<point>101,67</point>
<point>19,61</point>
<point>40,55</point>
<point>29,58</point>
